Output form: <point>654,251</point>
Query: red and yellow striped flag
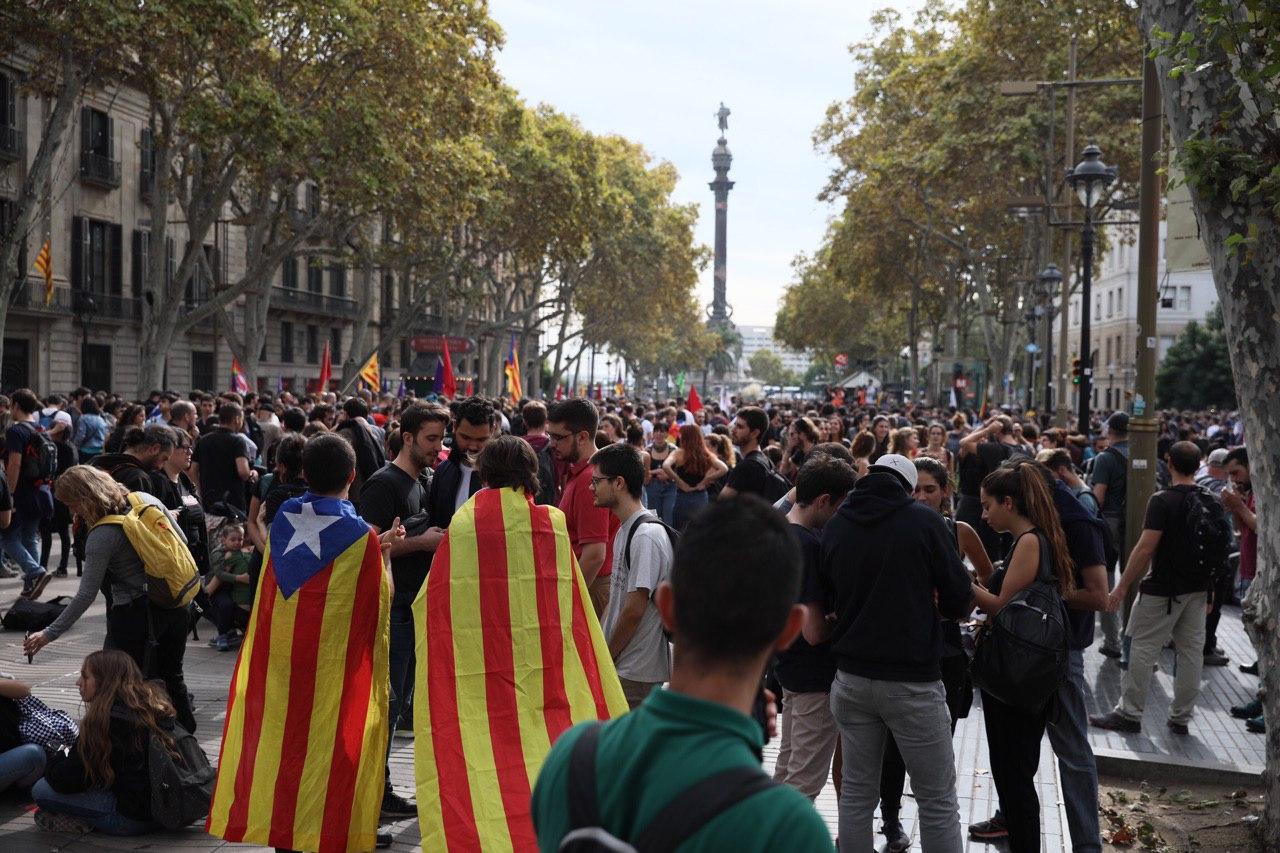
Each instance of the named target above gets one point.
<point>304,746</point>
<point>509,655</point>
<point>370,374</point>
<point>44,266</point>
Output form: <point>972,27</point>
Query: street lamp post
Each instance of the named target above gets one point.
<point>1049,281</point>
<point>1089,179</point>
<point>83,308</point>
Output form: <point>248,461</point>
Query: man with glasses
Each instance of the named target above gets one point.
<point>571,426</point>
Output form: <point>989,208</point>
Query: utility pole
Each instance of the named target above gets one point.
<point>1064,410</point>
<point>1141,481</point>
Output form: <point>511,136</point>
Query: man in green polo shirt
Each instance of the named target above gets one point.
<point>729,607</point>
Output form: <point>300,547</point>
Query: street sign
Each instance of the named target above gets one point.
<point>1033,348</point>
<point>435,343</point>
<point>842,359</point>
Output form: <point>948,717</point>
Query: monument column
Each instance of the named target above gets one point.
<point>720,161</point>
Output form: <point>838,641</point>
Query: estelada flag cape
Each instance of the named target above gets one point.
<point>509,655</point>
<point>304,746</point>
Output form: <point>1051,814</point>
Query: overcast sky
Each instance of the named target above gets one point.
<point>656,72</point>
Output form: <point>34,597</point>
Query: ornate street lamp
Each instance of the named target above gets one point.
<point>1090,179</point>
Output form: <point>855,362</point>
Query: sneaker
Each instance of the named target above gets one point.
<point>1107,651</point>
<point>1248,710</point>
<point>54,822</point>
<point>384,839</point>
<point>1250,669</point>
<point>396,807</point>
<point>1178,728</point>
<point>898,841</point>
<point>223,644</point>
<point>991,829</point>
<point>60,573</point>
<point>1258,725</point>
<point>403,734</point>
<point>1215,659</point>
<point>7,572</point>
<point>1116,722</point>
<point>33,589</point>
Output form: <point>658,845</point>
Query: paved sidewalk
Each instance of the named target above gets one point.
<point>1216,737</point>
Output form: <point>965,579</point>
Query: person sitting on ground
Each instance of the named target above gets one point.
<point>230,587</point>
<point>102,783</point>
<point>725,627</point>
<point>29,729</point>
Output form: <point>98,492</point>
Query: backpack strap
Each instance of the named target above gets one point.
<point>626,550</point>
<point>696,806</point>
<point>584,811</point>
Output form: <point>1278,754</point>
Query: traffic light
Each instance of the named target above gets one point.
<point>1076,372</point>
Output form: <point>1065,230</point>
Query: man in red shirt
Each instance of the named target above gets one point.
<point>571,426</point>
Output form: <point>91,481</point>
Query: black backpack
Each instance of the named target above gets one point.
<point>28,615</point>
<point>776,486</point>
<point>39,459</point>
<point>1022,658</point>
<point>686,813</point>
<point>673,536</point>
<point>1210,533</point>
<point>181,788</point>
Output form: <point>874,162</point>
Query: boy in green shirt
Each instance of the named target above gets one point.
<point>725,627</point>
<point>230,587</point>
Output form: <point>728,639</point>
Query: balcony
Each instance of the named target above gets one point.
<point>107,306</point>
<point>28,296</point>
<point>10,144</point>
<point>310,302</point>
<point>99,171</point>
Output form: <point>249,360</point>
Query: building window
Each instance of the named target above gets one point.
<point>98,162</point>
<point>289,272</point>
<point>406,358</point>
<point>1108,353</point>
<point>286,343</point>
<point>147,164</point>
<point>313,344</point>
<point>1166,298</point>
<point>388,295</point>
<point>313,200</point>
<point>1097,306</point>
<point>200,285</point>
<point>1184,298</point>
<point>95,257</point>
<point>203,371</point>
<point>335,345</point>
<point>338,277</point>
<point>10,139</point>
<point>1111,303</point>
<point>95,366</point>
<point>315,276</point>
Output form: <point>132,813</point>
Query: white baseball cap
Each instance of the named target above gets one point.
<point>900,465</point>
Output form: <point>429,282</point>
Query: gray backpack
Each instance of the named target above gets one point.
<point>181,788</point>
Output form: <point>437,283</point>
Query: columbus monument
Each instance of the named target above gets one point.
<point>720,161</point>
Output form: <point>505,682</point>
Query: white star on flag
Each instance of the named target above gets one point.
<point>306,528</point>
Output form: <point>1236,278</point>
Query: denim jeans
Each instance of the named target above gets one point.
<point>400,660</point>
<point>866,711</point>
<point>687,505</point>
<point>1069,736</point>
<point>97,806</point>
<point>22,543</point>
<point>662,499</point>
<point>21,766</point>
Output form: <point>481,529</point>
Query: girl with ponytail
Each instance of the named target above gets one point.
<point>1016,500</point>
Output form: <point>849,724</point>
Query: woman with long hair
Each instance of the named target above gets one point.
<point>722,445</point>
<point>801,438</point>
<point>693,468</point>
<point>134,416</point>
<point>936,446</point>
<point>103,783</point>
<point>1016,500</point>
<point>660,490</point>
<point>933,489</point>
<point>154,636</point>
<point>864,444</point>
<point>880,429</point>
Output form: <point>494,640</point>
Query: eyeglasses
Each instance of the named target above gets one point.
<point>559,436</point>
<point>595,481</point>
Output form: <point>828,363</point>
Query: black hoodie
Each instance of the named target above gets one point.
<point>884,556</point>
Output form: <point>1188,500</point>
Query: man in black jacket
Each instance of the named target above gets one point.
<point>455,479</point>
<point>886,560</point>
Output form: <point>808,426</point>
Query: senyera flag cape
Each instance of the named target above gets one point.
<point>304,747</point>
<point>509,655</point>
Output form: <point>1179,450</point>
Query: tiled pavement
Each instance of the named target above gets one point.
<point>1215,735</point>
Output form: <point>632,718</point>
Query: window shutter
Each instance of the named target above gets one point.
<point>86,130</point>
<point>116,248</point>
<point>110,125</point>
<point>10,101</point>
<point>79,252</point>
<point>141,261</point>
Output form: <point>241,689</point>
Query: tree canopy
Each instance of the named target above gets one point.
<point>1196,372</point>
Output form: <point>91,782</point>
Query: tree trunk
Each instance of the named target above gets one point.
<point>1248,285</point>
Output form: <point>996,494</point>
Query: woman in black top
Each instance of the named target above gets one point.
<point>103,784</point>
<point>660,491</point>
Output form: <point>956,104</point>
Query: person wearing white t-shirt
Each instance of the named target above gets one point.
<point>642,559</point>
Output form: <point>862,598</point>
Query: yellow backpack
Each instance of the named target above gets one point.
<point>172,578</point>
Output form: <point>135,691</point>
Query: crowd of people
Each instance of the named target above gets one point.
<point>841,564</point>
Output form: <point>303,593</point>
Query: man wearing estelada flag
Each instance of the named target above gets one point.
<point>509,656</point>
<point>305,741</point>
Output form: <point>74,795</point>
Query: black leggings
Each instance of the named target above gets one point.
<point>1013,744</point>
<point>127,631</point>
<point>62,527</point>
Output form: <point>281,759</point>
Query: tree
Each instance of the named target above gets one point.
<point>1196,372</point>
<point>767,367</point>
<point>1219,69</point>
